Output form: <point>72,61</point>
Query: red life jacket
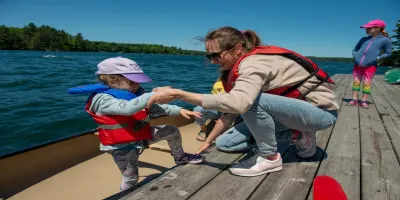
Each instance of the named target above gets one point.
<point>117,129</point>
<point>288,91</point>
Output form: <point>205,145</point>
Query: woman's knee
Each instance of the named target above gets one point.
<point>200,121</point>
<point>222,145</point>
<point>198,109</point>
<point>331,119</point>
<point>220,142</point>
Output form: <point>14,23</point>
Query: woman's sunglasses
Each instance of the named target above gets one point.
<point>216,55</point>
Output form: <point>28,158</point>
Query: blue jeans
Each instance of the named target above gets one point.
<point>206,115</point>
<point>238,138</point>
<point>296,114</point>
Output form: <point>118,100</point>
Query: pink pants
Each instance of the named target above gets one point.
<point>363,73</point>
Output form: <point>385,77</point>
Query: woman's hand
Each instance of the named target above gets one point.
<point>188,113</point>
<point>204,146</point>
<point>163,96</point>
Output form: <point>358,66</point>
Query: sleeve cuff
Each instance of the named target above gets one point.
<point>209,101</point>
<point>175,110</point>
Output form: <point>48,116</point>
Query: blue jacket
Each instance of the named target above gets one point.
<point>368,50</point>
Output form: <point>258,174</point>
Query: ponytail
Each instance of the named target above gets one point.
<point>252,39</point>
<point>383,32</point>
<point>228,37</point>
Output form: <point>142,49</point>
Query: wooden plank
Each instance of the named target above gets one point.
<point>391,87</point>
<point>381,79</point>
<point>343,151</point>
<point>380,168</point>
<point>340,91</point>
<point>392,125</point>
<point>296,177</point>
<point>229,187</point>
<point>389,95</point>
<point>183,181</point>
<point>337,78</point>
<point>391,119</point>
<point>381,104</point>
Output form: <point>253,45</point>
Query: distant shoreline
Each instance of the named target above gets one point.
<point>46,38</point>
<point>333,59</point>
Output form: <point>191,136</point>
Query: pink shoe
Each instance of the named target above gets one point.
<point>353,102</point>
<point>364,104</point>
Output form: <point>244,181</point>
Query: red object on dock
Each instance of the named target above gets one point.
<point>327,188</point>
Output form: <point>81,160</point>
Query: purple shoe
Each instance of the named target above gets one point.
<point>353,102</point>
<point>364,104</point>
<point>188,158</point>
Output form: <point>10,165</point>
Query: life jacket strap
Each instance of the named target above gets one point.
<point>136,127</point>
<point>113,127</point>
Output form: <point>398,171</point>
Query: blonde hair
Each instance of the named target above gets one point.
<point>116,81</point>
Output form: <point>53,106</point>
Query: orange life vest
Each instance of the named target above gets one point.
<point>288,91</point>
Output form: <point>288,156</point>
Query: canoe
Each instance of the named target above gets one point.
<point>392,75</point>
<point>75,168</point>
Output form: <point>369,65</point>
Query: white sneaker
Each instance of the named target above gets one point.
<point>305,143</point>
<point>257,167</point>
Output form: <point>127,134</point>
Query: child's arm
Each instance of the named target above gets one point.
<point>105,104</point>
<point>157,110</point>
<point>387,48</point>
<point>358,45</point>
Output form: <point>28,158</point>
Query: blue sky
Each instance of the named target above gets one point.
<point>310,27</point>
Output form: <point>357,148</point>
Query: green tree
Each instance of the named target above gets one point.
<point>394,60</point>
<point>4,38</point>
<point>32,37</point>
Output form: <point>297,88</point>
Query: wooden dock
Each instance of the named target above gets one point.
<point>361,151</point>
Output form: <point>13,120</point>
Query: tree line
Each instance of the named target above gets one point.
<point>394,60</point>
<point>46,38</point>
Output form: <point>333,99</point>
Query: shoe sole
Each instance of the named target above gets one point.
<point>192,162</point>
<point>258,174</point>
<point>197,162</point>
<point>305,156</point>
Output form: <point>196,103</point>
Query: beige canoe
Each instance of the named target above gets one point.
<point>74,168</point>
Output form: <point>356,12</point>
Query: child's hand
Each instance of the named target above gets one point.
<point>188,113</point>
<point>158,89</point>
<point>163,96</point>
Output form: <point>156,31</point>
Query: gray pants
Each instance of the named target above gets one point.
<point>127,159</point>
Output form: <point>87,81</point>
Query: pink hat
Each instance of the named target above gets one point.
<point>374,23</point>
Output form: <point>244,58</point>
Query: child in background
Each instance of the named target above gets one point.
<point>119,107</point>
<point>208,114</point>
<point>366,55</point>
